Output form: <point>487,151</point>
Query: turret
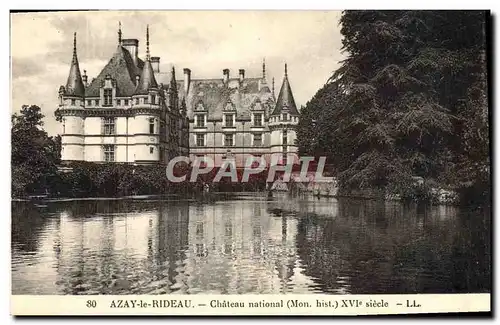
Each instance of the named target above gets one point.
<point>71,112</point>
<point>147,80</point>
<point>147,104</point>
<point>285,102</point>
<point>282,122</point>
<point>74,84</point>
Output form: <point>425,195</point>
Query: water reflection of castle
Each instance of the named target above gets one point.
<point>244,246</point>
<point>220,248</point>
<point>240,248</point>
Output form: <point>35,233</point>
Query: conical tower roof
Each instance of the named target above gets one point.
<point>285,98</point>
<point>147,80</point>
<point>74,85</point>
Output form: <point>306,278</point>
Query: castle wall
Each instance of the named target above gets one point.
<point>93,125</point>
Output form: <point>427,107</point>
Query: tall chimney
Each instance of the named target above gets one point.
<point>187,79</point>
<point>225,73</point>
<point>132,45</point>
<point>155,63</point>
<point>242,74</point>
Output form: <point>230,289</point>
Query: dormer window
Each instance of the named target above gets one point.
<point>285,117</point>
<point>108,97</point>
<point>257,119</point>
<point>229,119</point>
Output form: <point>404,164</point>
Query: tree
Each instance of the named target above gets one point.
<point>401,105</point>
<point>34,153</point>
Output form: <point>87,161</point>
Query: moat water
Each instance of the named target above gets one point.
<point>248,244</point>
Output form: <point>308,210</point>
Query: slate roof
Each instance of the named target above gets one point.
<point>147,80</point>
<point>285,99</point>
<point>215,95</point>
<point>120,67</point>
<point>74,84</point>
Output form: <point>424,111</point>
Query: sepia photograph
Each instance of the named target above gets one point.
<point>250,153</point>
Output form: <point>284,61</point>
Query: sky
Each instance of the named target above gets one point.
<point>204,41</point>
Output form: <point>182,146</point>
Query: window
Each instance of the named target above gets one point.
<point>202,160</point>
<point>257,247</point>
<point>97,102</point>
<point>229,229</point>
<point>256,163</point>
<point>137,101</point>
<point>153,99</point>
<point>285,137</point>
<point>126,102</point>
<point>151,126</point>
<point>257,139</point>
<point>64,125</point>
<point>73,102</point>
<point>200,139</point>
<point>228,140</point>
<point>257,211</point>
<point>109,125</point>
<point>229,120</point>
<point>118,102</point>
<point>151,150</point>
<point>285,117</point>
<point>199,229</point>
<point>89,102</point>
<point>228,248</point>
<point>256,231</point>
<point>200,120</point>
<point>200,250</point>
<point>108,97</point>
<point>109,152</point>
<point>257,119</point>
<point>162,127</point>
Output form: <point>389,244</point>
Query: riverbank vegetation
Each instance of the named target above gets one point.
<point>407,111</point>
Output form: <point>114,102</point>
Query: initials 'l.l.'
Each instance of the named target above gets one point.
<point>412,304</point>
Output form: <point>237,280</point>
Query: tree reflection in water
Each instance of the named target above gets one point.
<point>281,245</point>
